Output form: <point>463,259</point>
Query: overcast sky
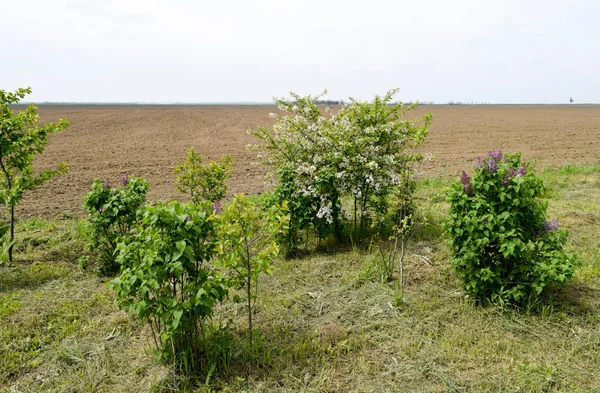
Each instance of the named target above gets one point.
<point>214,51</point>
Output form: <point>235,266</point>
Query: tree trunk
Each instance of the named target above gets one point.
<point>12,233</point>
<point>12,208</point>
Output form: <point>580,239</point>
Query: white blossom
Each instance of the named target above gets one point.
<point>372,165</point>
<point>325,211</point>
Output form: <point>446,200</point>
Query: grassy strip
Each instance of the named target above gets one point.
<point>326,323</point>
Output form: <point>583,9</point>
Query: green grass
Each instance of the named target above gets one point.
<point>325,323</point>
<point>59,328</point>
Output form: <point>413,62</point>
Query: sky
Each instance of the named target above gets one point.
<point>250,51</point>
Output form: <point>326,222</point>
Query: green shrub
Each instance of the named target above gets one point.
<point>203,181</point>
<point>112,215</point>
<point>502,246</point>
<point>300,207</point>
<point>335,169</point>
<point>168,280</point>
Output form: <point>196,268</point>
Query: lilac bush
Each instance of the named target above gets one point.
<point>503,247</point>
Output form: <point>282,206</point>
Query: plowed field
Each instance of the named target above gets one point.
<point>110,141</point>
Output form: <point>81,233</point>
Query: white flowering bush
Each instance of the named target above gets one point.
<point>340,168</point>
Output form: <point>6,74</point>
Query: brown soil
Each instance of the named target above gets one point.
<point>109,141</point>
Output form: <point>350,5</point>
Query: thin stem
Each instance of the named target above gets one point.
<point>355,208</point>
<point>12,232</point>
<point>393,258</point>
<point>12,208</point>
<point>402,268</point>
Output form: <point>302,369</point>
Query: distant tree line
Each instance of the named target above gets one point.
<point>329,102</point>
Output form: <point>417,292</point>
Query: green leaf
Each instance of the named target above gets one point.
<point>176,318</point>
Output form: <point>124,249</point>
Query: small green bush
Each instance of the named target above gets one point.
<point>168,280</point>
<point>203,181</point>
<point>503,248</point>
<point>112,215</point>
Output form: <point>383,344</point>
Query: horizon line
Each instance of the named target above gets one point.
<point>264,103</point>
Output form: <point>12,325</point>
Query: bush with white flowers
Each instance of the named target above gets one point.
<point>340,168</point>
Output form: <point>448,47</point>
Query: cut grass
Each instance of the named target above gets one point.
<point>325,323</point>
<point>59,328</point>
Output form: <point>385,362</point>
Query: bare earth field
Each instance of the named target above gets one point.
<point>109,141</point>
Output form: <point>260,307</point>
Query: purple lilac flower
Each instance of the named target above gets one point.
<point>509,175</point>
<point>125,180</point>
<point>107,184</point>
<point>469,189</point>
<point>466,182</point>
<point>496,155</point>
<point>478,162</point>
<point>550,226</point>
<point>464,179</point>
<point>216,207</point>
<point>521,171</point>
<point>491,158</point>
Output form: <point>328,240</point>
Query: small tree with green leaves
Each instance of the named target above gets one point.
<point>246,243</point>
<point>203,181</point>
<point>21,138</point>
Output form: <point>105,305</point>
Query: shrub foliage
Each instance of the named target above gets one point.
<point>203,181</point>
<point>112,215</point>
<point>168,281</point>
<point>503,248</point>
<point>342,167</point>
